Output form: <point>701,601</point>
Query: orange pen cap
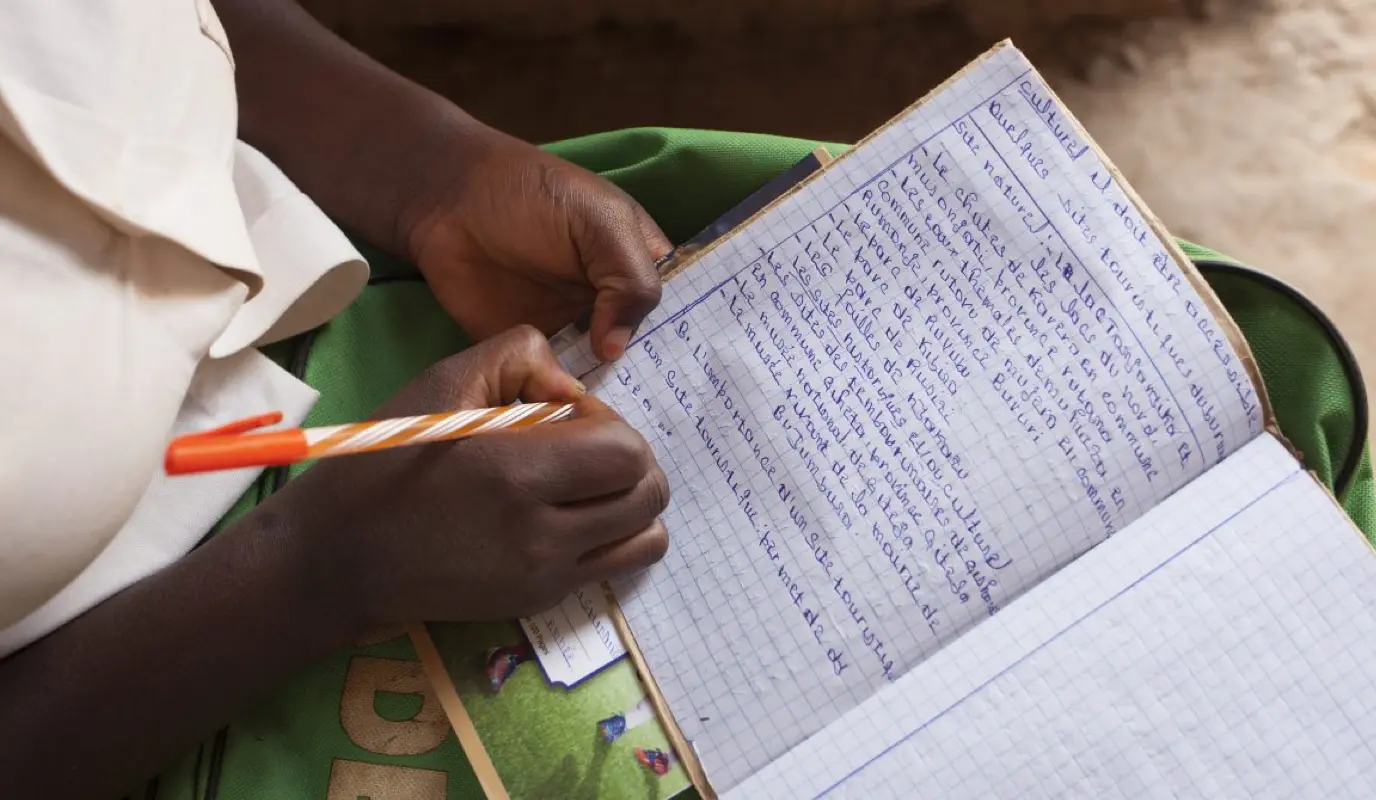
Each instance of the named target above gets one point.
<point>227,447</point>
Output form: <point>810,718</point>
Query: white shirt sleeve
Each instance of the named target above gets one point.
<point>143,253</point>
<point>102,333</point>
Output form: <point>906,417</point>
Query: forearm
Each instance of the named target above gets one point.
<point>356,137</point>
<point>109,699</point>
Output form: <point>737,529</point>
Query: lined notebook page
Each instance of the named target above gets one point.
<point>1219,647</point>
<point>943,369</point>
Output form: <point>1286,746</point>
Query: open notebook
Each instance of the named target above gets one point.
<point>976,493</point>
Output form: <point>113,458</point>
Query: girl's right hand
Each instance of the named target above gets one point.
<point>496,526</point>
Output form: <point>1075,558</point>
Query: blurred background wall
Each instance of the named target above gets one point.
<point>1247,125</point>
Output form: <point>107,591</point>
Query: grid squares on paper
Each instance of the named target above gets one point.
<point>1216,653</point>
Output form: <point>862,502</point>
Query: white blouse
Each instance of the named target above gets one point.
<point>144,253</point>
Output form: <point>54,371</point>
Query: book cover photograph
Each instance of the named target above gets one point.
<point>594,735</point>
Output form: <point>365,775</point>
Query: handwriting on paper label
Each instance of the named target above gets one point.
<point>575,639</point>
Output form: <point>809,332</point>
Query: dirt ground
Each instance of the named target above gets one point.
<point>1250,127</point>
<point>1256,134</point>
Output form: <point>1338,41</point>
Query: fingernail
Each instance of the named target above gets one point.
<point>616,342</point>
<point>580,387</point>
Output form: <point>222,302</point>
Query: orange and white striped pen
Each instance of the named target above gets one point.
<point>235,446</point>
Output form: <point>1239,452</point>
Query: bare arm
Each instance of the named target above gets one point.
<point>360,140</point>
<point>110,698</point>
<point>504,232</point>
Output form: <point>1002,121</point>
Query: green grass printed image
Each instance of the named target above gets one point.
<point>599,739</point>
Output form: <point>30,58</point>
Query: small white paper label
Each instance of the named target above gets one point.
<point>576,638</point>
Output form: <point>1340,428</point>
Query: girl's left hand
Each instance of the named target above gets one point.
<point>521,236</point>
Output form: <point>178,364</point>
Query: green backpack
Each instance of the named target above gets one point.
<point>364,723</point>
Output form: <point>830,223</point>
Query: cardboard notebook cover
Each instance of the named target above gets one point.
<point>797,180</point>
<point>1215,307</point>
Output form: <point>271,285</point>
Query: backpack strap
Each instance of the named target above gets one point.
<point>1346,471</point>
<point>1314,381</point>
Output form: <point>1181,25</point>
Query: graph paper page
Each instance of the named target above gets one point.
<point>943,369</point>
<point>1219,647</point>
